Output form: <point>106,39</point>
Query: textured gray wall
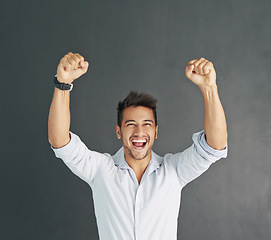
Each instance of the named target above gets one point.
<point>140,45</point>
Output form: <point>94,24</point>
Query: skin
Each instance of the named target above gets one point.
<point>200,71</point>
<point>138,124</point>
<point>70,67</point>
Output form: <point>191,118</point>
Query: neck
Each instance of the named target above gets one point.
<point>139,166</point>
<point>136,164</point>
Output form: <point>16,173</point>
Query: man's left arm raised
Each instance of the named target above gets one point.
<point>202,73</point>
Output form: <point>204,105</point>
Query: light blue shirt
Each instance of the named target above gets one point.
<point>126,210</point>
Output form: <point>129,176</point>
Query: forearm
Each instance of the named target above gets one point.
<point>214,118</point>
<point>59,119</point>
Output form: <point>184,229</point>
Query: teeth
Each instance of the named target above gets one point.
<point>144,140</point>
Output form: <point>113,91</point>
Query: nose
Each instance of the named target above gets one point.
<point>139,130</point>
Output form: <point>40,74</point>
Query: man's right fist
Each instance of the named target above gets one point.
<point>71,67</point>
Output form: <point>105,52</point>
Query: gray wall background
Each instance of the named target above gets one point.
<point>145,46</point>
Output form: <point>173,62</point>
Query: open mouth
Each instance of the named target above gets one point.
<point>139,143</point>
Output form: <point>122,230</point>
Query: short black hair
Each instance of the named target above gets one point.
<point>137,99</point>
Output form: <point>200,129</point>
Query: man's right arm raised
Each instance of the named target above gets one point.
<point>70,67</point>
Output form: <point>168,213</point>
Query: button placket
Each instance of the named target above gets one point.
<point>138,210</point>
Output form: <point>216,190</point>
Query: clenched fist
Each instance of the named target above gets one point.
<point>201,72</point>
<point>71,67</point>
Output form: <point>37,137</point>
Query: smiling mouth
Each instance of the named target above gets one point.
<point>139,143</point>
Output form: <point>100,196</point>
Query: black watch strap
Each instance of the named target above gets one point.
<point>62,86</point>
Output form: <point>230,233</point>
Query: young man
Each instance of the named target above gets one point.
<point>136,192</point>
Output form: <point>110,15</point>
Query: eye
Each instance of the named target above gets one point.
<point>147,124</point>
<point>130,124</point>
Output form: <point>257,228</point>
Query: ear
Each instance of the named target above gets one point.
<point>156,132</point>
<point>118,132</point>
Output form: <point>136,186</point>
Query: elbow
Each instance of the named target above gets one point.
<point>53,142</point>
<point>225,141</point>
<point>218,142</point>
<point>50,140</point>
<point>218,146</point>
<point>221,147</point>
<point>58,142</point>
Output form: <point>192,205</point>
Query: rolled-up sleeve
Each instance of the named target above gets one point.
<point>81,161</point>
<point>205,150</point>
<point>195,160</point>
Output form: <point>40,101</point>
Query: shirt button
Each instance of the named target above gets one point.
<point>139,209</point>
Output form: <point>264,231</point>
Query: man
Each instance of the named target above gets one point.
<point>136,192</point>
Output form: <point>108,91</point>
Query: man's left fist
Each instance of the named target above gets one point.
<point>201,72</point>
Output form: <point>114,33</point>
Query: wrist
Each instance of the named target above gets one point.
<point>209,93</point>
<point>208,89</point>
<point>62,86</point>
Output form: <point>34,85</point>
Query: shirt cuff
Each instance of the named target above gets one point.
<point>205,150</point>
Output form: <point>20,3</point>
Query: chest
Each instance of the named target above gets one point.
<point>120,189</point>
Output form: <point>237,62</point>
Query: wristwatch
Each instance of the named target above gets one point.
<point>63,86</point>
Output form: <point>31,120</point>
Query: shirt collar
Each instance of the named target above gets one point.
<point>119,159</point>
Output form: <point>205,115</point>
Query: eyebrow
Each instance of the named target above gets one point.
<point>135,121</point>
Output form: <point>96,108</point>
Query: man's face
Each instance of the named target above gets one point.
<point>137,132</point>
